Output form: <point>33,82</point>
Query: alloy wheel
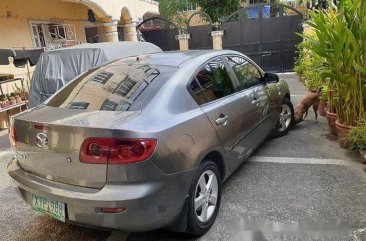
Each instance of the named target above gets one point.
<point>285,117</point>
<point>206,194</point>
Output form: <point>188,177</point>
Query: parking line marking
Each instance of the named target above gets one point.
<point>287,73</point>
<point>296,160</point>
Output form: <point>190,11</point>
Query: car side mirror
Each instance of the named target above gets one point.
<point>270,78</point>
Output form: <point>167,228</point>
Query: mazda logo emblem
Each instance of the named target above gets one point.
<point>42,140</point>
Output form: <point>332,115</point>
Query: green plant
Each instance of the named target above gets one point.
<point>171,9</point>
<point>311,66</point>
<point>357,136</point>
<point>341,41</point>
<point>217,9</point>
<point>4,77</point>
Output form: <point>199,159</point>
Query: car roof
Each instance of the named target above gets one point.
<point>177,58</point>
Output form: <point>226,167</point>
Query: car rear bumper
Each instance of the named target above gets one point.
<point>149,205</point>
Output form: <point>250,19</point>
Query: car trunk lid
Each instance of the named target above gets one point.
<point>49,141</point>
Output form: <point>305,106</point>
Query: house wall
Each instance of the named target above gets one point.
<point>16,16</point>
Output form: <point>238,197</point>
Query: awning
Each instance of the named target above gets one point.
<point>20,56</point>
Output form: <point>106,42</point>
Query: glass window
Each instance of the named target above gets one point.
<point>120,86</point>
<point>215,80</point>
<point>250,13</point>
<point>248,75</point>
<point>271,11</point>
<point>185,5</point>
<point>197,92</point>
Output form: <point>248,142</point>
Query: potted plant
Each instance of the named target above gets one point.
<point>331,113</point>
<point>10,76</point>
<point>12,100</point>
<point>4,77</point>
<point>5,103</point>
<point>341,42</point>
<point>323,102</point>
<point>18,99</point>
<point>357,138</point>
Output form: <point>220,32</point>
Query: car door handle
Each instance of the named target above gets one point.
<point>255,102</point>
<point>222,120</point>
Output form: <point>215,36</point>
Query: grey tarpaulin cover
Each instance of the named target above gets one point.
<point>56,68</point>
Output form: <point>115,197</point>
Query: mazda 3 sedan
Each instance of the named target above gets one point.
<point>146,142</point>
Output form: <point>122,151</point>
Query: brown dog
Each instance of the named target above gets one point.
<point>312,99</point>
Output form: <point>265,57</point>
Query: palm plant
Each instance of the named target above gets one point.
<point>341,41</point>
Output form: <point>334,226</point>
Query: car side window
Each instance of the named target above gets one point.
<point>197,92</point>
<point>214,80</point>
<point>248,75</point>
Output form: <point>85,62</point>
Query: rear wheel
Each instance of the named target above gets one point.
<point>204,198</point>
<point>286,120</point>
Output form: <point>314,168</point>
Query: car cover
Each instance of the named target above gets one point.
<point>58,67</point>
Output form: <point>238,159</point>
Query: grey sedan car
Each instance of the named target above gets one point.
<point>146,142</point>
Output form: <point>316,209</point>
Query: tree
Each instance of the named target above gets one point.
<point>170,9</point>
<point>218,9</point>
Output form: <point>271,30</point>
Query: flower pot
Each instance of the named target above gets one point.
<point>19,100</point>
<point>332,117</point>
<point>363,155</point>
<point>323,107</point>
<point>343,131</point>
<point>3,78</point>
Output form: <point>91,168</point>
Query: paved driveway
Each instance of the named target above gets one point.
<point>293,188</point>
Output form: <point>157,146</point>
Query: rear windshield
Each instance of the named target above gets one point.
<point>120,86</point>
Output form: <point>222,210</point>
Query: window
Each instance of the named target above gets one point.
<point>250,13</point>
<point>214,80</point>
<point>53,36</point>
<point>271,11</point>
<point>197,92</point>
<point>120,86</point>
<point>248,75</point>
<point>185,5</point>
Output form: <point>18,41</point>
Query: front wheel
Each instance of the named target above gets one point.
<point>286,120</point>
<point>204,198</point>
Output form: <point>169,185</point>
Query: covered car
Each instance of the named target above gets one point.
<point>56,68</point>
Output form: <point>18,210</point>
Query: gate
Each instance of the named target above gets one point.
<point>161,32</point>
<point>200,34</point>
<point>266,33</point>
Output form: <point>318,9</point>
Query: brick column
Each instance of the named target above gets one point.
<point>110,32</point>
<point>183,41</point>
<point>217,39</point>
<point>129,31</point>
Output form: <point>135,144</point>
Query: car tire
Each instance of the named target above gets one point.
<point>286,119</point>
<point>204,199</point>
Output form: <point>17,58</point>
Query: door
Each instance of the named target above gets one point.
<point>231,113</point>
<point>255,101</point>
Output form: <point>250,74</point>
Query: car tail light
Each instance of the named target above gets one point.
<point>13,135</point>
<point>112,210</point>
<point>116,151</point>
